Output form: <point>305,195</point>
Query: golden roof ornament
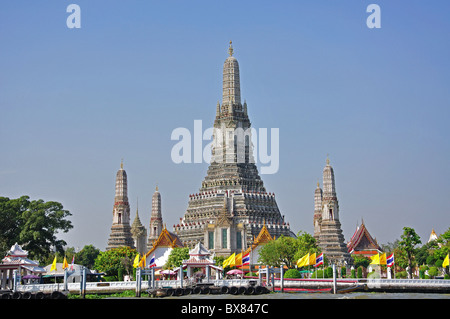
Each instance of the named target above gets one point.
<point>121,164</point>
<point>230,49</point>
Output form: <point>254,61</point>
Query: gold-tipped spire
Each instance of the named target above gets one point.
<point>156,187</point>
<point>328,160</point>
<point>121,163</point>
<point>230,49</point>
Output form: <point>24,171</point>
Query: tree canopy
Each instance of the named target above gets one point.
<point>287,250</point>
<point>33,224</point>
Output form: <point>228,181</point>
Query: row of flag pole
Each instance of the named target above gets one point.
<point>240,259</point>
<point>310,260</point>
<point>382,260</point>
<point>142,262</point>
<point>64,265</point>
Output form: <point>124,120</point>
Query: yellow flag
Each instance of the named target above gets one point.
<point>232,262</point>
<point>304,261</point>
<point>65,264</point>
<point>445,263</point>
<point>53,267</point>
<point>227,261</point>
<point>375,259</point>
<point>383,259</point>
<point>136,261</point>
<point>312,259</point>
<point>238,260</point>
<point>143,262</point>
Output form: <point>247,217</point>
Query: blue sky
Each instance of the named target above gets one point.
<point>74,102</point>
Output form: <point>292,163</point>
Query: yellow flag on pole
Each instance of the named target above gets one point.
<point>227,262</point>
<point>53,267</point>
<point>383,259</point>
<point>65,264</point>
<point>312,259</point>
<point>143,262</point>
<point>375,259</point>
<point>445,263</point>
<point>238,259</point>
<point>232,262</point>
<point>136,261</point>
<point>304,261</point>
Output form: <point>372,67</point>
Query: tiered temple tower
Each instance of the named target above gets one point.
<point>232,204</point>
<point>120,229</point>
<point>156,221</point>
<point>139,233</point>
<point>331,239</point>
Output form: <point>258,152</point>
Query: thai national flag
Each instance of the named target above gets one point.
<point>390,261</point>
<point>319,260</point>
<point>152,262</point>
<point>246,259</point>
<point>73,261</point>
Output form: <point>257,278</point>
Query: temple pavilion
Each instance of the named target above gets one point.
<point>362,243</point>
<point>17,259</point>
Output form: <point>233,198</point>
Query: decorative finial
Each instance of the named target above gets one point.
<point>328,160</point>
<point>318,184</point>
<point>230,49</point>
<point>121,163</point>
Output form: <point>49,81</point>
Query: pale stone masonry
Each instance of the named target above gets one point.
<point>120,229</point>
<point>232,204</point>
<point>327,227</point>
<point>156,221</point>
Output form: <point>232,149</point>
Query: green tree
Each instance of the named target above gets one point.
<point>176,257</point>
<point>281,250</point>
<point>87,256</point>
<point>360,261</point>
<point>408,243</point>
<point>112,260</point>
<point>306,244</point>
<point>34,225</point>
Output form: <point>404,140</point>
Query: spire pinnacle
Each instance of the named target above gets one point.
<point>121,163</point>
<point>230,49</point>
<point>328,160</point>
<point>156,187</point>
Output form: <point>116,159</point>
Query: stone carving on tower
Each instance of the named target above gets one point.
<point>120,230</point>
<point>156,221</point>
<point>232,178</point>
<point>330,237</point>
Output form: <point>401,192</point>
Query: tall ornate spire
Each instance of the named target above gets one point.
<point>329,189</point>
<point>231,95</point>
<point>233,176</point>
<point>317,211</point>
<point>156,221</point>
<point>139,232</point>
<point>120,230</point>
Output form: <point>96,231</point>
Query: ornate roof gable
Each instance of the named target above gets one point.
<point>362,240</point>
<point>165,239</point>
<point>263,238</point>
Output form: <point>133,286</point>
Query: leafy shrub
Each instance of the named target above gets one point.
<point>360,272</point>
<point>292,273</point>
